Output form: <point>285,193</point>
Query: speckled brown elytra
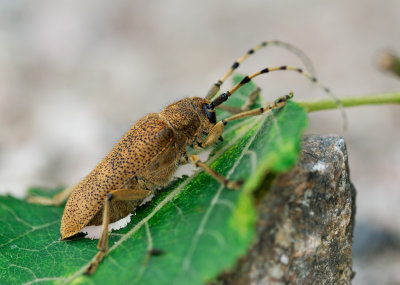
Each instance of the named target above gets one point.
<point>147,156</point>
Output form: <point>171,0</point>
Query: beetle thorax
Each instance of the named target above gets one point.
<point>188,118</point>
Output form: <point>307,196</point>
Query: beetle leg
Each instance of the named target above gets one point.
<point>103,241</point>
<point>217,130</point>
<point>251,100</point>
<point>56,200</point>
<point>195,160</point>
<point>120,194</point>
<point>229,109</point>
<point>128,194</point>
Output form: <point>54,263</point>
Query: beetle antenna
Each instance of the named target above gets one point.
<point>303,57</point>
<point>225,96</point>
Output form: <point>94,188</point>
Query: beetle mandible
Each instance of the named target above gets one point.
<point>147,156</point>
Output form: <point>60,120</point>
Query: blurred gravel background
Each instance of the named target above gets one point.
<point>75,75</point>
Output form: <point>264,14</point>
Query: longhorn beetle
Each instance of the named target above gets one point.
<point>147,156</point>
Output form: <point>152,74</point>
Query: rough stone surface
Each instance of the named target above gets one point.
<point>306,221</point>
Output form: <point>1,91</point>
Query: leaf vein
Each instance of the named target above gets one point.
<point>34,228</point>
<point>253,159</point>
<point>16,217</point>
<point>226,203</point>
<point>37,280</point>
<point>217,236</point>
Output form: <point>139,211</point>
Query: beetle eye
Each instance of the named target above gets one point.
<point>210,113</point>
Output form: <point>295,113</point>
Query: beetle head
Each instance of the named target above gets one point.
<point>205,112</point>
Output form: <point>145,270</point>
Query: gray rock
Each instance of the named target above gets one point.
<point>306,221</point>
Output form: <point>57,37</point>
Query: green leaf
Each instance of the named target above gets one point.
<point>201,226</point>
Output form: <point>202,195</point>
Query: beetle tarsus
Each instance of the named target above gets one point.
<point>235,185</point>
<point>94,263</point>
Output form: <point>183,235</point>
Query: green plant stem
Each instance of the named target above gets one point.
<point>385,98</point>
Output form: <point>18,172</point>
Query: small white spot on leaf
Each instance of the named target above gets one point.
<point>94,232</point>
